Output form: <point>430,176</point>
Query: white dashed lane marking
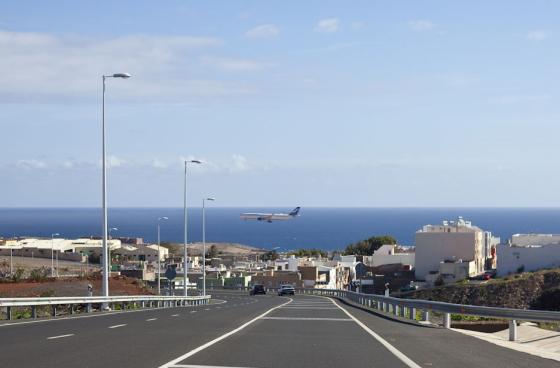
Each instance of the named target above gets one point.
<point>117,326</point>
<point>59,336</point>
<point>151,319</point>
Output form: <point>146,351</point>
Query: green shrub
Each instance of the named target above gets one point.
<point>39,274</point>
<point>17,276</point>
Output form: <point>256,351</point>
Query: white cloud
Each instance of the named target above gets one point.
<point>421,25</point>
<point>158,164</point>
<point>235,65</point>
<point>239,163</point>
<point>40,66</point>
<point>328,25</point>
<point>31,164</point>
<point>114,161</point>
<point>263,31</point>
<point>536,35</point>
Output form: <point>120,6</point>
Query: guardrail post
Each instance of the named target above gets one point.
<point>88,308</point>
<point>34,312</point>
<point>412,313</point>
<point>9,313</point>
<point>403,311</point>
<point>72,309</point>
<point>512,330</point>
<point>447,320</point>
<point>426,316</point>
<point>396,308</point>
<point>54,310</point>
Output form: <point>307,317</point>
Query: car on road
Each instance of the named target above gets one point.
<point>257,289</point>
<point>286,290</point>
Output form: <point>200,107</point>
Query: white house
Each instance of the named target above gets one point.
<point>387,254</point>
<point>528,252</point>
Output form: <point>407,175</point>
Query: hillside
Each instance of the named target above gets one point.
<point>534,290</point>
<point>221,249</point>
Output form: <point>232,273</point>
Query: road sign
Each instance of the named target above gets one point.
<point>171,272</point>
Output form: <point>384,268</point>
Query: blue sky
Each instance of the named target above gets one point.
<point>315,103</point>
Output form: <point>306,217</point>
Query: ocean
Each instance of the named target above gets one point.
<point>325,228</point>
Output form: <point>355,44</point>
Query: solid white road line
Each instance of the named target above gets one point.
<point>312,308</point>
<point>403,358</point>
<point>309,319</point>
<point>151,319</point>
<point>59,337</point>
<point>117,326</point>
<point>174,362</point>
<point>201,366</point>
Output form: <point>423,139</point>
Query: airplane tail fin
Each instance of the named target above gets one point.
<point>294,212</point>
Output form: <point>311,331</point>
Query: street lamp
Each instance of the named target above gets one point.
<point>52,252</point>
<point>105,258</point>
<point>204,243</point>
<point>185,261</point>
<point>159,254</point>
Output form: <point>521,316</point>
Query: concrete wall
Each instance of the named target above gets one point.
<point>383,259</point>
<point>435,247</point>
<point>43,253</point>
<point>511,258</point>
<point>535,239</point>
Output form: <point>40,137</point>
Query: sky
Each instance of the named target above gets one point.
<point>310,103</point>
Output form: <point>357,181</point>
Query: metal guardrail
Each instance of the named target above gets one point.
<point>89,302</point>
<point>409,307</point>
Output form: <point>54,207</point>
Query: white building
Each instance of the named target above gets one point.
<point>528,252</point>
<point>287,264</point>
<point>387,254</point>
<point>451,241</point>
<point>77,249</point>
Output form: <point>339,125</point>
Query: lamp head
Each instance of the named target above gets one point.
<point>121,75</point>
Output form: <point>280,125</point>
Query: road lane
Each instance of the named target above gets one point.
<point>138,344</point>
<point>432,346</point>
<point>303,333</point>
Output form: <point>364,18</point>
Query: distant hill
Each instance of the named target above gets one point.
<point>221,248</point>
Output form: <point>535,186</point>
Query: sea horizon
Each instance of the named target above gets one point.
<point>328,228</point>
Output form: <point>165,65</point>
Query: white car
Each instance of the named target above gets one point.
<point>286,290</point>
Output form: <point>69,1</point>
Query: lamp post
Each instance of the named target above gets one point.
<point>52,252</point>
<point>105,258</point>
<point>185,261</point>
<point>204,243</point>
<point>159,254</point>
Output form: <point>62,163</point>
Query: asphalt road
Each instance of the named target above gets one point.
<point>244,331</point>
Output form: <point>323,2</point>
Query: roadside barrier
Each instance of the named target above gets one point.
<point>93,303</point>
<point>410,308</point>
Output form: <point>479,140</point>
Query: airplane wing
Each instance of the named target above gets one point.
<point>257,216</point>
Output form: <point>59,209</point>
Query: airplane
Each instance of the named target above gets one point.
<point>269,217</point>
